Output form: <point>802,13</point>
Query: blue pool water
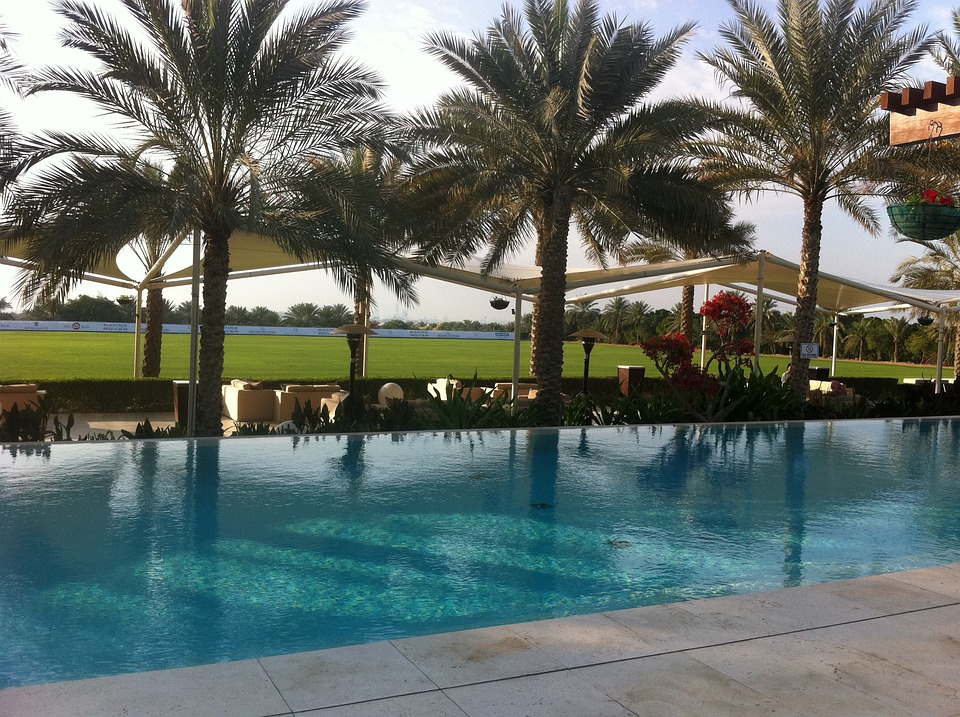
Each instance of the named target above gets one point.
<point>128,556</point>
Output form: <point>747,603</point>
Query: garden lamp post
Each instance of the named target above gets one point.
<point>354,334</point>
<point>588,337</point>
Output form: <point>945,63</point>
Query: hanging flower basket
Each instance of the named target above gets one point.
<point>498,302</point>
<point>924,222</point>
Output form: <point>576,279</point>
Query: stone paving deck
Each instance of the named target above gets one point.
<point>883,645</point>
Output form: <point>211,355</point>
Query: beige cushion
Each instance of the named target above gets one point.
<point>18,388</point>
<point>298,388</point>
<point>242,385</point>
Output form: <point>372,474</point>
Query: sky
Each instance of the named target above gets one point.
<point>389,37</point>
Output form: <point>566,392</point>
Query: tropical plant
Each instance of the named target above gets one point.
<point>937,268</point>
<point>231,99</point>
<point>704,396</point>
<point>550,128</point>
<point>807,82</point>
<point>335,315</point>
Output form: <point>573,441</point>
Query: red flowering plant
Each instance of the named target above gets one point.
<point>932,196</point>
<point>705,396</point>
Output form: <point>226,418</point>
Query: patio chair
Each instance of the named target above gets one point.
<point>286,399</point>
<point>247,401</point>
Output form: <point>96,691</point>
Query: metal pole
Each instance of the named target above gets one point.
<point>758,313</point>
<point>137,349</point>
<point>833,353</point>
<point>703,329</point>
<point>517,313</point>
<point>941,331</point>
<point>194,337</point>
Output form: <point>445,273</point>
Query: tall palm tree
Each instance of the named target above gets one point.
<point>550,128</point>
<point>938,268</point>
<point>231,99</point>
<point>859,333</point>
<point>808,82</point>
<point>638,315</point>
<point>899,329</point>
<point>585,314</point>
<point>614,318</point>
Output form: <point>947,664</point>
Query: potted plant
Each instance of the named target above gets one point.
<point>926,217</point>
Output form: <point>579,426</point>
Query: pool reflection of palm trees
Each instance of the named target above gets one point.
<point>794,495</point>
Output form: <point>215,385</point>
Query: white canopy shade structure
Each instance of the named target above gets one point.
<point>760,273</point>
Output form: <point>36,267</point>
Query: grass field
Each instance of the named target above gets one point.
<point>37,356</point>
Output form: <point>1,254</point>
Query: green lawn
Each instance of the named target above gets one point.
<point>38,355</point>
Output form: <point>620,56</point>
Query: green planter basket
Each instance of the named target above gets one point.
<point>924,222</point>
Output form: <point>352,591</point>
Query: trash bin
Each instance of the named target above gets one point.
<point>630,378</point>
<point>181,401</point>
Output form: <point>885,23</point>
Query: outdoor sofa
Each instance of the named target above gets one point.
<point>20,395</point>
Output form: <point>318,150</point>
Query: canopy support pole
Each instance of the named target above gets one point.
<point>703,330</point>
<point>137,329</point>
<point>941,333</point>
<point>194,337</point>
<point>758,312</point>
<point>517,315</point>
<point>833,353</point>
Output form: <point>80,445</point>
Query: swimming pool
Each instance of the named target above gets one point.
<point>128,556</point>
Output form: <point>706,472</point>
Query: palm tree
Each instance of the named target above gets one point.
<point>237,316</point>
<point>808,82</point>
<point>899,329</point>
<point>549,128</point>
<point>304,314</point>
<point>584,314</point>
<point>335,315</point>
<point>231,99</point>
<point>262,316</point>
<point>823,330</point>
<point>614,317</point>
<point>859,334</point>
<point>938,268</point>
<point>638,314</point>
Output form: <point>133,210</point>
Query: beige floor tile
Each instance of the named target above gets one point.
<point>777,611</point>
<point>668,685</point>
<point>558,694</point>
<point>896,686</point>
<point>792,684</point>
<point>885,594</point>
<point>583,640</point>
<point>310,680</point>
<point>926,643</point>
<point>462,658</point>
<point>229,689</point>
<point>427,704</point>
<point>941,580</point>
<point>666,628</point>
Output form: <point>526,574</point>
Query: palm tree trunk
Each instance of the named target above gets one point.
<point>361,316</point>
<point>216,267</point>
<point>153,338</point>
<point>686,312</point>
<point>552,236</point>
<point>806,291</point>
